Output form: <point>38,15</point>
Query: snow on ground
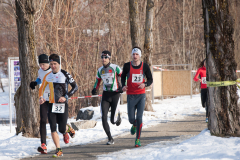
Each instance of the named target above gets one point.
<point>201,147</point>
<point>16,146</point>
<point>4,109</point>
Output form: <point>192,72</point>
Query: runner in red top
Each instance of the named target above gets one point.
<point>202,73</point>
<point>135,71</point>
<point>134,80</point>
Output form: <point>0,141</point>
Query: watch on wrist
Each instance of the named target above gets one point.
<point>66,96</point>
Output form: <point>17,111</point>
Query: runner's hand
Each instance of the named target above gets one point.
<point>41,100</point>
<point>199,80</point>
<point>94,91</point>
<point>62,99</point>
<point>125,88</point>
<point>33,84</point>
<point>142,85</point>
<point>120,90</point>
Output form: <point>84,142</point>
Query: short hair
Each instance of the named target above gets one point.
<point>138,48</point>
<point>54,56</point>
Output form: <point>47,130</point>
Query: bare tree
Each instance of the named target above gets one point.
<point>148,45</point>
<point>26,100</point>
<point>224,117</point>
<point>80,30</point>
<point>134,23</point>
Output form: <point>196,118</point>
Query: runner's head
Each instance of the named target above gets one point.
<point>203,63</point>
<point>54,62</point>
<point>43,61</point>
<point>106,55</point>
<point>136,54</point>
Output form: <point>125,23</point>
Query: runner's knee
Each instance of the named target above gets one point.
<point>131,120</point>
<point>53,128</point>
<point>62,128</point>
<point>104,118</point>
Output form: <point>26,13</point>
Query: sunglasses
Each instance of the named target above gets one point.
<point>105,57</point>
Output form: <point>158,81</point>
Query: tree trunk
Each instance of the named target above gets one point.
<point>26,100</point>
<point>184,51</point>
<point>148,45</point>
<point>221,66</point>
<point>134,23</point>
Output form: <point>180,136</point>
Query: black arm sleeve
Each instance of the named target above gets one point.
<point>148,74</point>
<point>126,69</point>
<point>73,90</point>
<point>73,84</point>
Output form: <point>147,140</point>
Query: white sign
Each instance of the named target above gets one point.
<point>15,79</point>
<point>14,82</point>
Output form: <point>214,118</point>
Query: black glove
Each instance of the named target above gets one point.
<point>94,91</point>
<point>33,84</point>
<point>120,90</point>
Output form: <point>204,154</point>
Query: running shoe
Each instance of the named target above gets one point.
<point>137,143</point>
<point>66,138</point>
<point>133,130</point>
<point>110,141</point>
<point>71,131</point>
<point>42,149</point>
<point>206,120</point>
<point>119,120</point>
<point>58,153</point>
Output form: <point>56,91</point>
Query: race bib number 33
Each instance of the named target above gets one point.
<point>204,81</point>
<point>46,95</point>
<point>58,108</point>
<point>137,78</point>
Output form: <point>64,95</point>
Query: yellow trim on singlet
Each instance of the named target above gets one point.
<point>51,97</point>
<point>41,90</point>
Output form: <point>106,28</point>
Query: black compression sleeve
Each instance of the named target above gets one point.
<point>71,81</point>
<point>126,69</point>
<point>73,90</point>
<point>148,74</point>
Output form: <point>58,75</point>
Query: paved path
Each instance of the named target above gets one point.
<point>191,125</point>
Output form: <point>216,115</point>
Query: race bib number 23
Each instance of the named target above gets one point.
<point>58,108</point>
<point>137,78</point>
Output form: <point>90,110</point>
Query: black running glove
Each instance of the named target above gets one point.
<point>94,91</point>
<point>33,84</point>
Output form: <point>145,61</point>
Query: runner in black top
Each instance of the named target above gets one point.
<point>110,74</point>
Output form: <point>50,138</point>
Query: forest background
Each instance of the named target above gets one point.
<point>79,30</point>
